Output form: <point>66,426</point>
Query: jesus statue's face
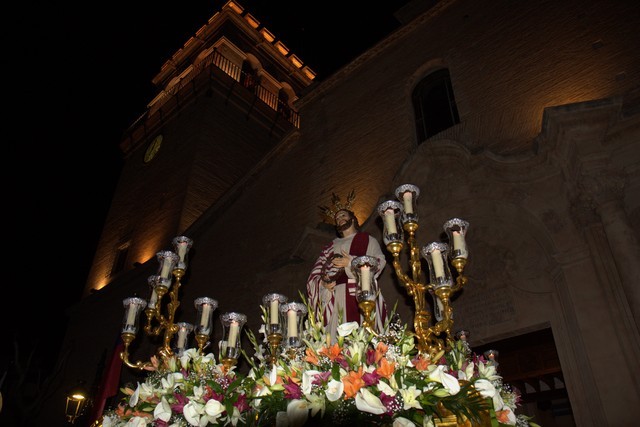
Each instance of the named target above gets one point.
<point>344,220</point>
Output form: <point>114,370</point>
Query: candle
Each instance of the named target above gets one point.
<point>390,221</point>
<point>274,311</point>
<point>182,250</point>
<point>459,244</point>
<point>292,323</point>
<point>233,334</point>
<point>182,337</point>
<point>407,198</point>
<point>204,320</point>
<point>166,268</point>
<point>131,315</point>
<point>438,268</point>
<point>153,299</point>
<point>365,278</point>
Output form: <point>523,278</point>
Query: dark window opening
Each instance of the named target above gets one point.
<point>120,260</point>
<point>434,105</point>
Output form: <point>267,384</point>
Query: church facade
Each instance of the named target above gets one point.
<point>521,118</point>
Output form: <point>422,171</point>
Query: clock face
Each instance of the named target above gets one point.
<point>153,149</point>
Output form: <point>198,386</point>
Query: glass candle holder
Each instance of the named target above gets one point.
<point>462,335</point>
<point>456,230</point>
<point>167,260</point>
<point>132,308</point>
<point>272,303</point>
<point>153,298</point>
<point>293,315</point>
<point>390,212</point>
<point>205,306</point>
<point>232,324</point>
<point>436,254</point>
<point>365,268</point>
<point>181,338</point>
<point>408,195</point>
<point>492,357</point>
<point>182,244</point>
<point>438,307</point>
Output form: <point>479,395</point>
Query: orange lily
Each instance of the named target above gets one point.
<point>293,377</point>
<point>503,416</point>
<point>332,352</point>
<point>311,357</point>
<point>385,369</point>
<point>421,363</point>
<point>381,350</point>
<point>267,380</point>
<point>352,383</point>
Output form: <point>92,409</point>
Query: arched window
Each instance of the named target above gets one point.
<point>434,105</point>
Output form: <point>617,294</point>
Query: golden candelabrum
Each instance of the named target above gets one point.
<point>160,319</point>
<point>399,217</point>
<point>284,321</point>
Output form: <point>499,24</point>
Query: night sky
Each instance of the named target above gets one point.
<point>78,76</point>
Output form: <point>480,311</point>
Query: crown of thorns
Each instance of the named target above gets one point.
<point>331,211</point>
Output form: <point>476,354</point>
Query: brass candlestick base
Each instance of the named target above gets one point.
<point>228,363</point>
<point>202,340</point>
<point>274,344</point>
<point>291,353</point>
<point>367,307</point>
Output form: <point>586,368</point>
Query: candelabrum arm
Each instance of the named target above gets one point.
<point>414,253</point>
<point>127,338</point>
<point>461,280</point>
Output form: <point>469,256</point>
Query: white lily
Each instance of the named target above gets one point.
<point>409,397</point>
<point>355,350</point>
<point>469,370</point>
<point>316,404</point>
<point>346,329</point>
<point>162,410</point>
<point>187,356</point>
<point>133,400</point>
<point>236,417</point>
<point>171,381</point>
<point>485,388</point>
<point>146,390</point>
<point>109,421</point>
<point>193,412</point>
<point>386,388</point>
<point>407,345</point>
<point>137,422</point>
<point>393,383</point>
<point>198,392</point>
<point>369,402</point>
<point>273,375</point>
<point>208,358</point>
<point>214,410</point>
<point>449,382</point>
<point>307,381</point>
<point>297,412</point>
<point>402,422</point>
<point>488,371</point>
<point>334,390</point>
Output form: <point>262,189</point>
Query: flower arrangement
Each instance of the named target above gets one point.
<point>373,379</point>
<point>187,390</point>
